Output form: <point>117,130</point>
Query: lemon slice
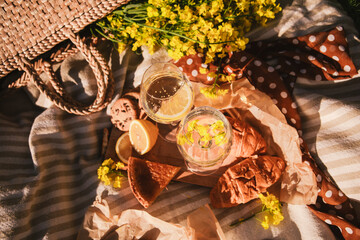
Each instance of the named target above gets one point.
<point>178,105</point>
<point>143,135</point>
<point>123,147</point>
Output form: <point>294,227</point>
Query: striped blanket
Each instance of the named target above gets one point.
<point>49,158</point>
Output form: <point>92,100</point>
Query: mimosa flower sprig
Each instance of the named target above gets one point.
<point>110,173</point>
<point>271,208</point>
<point>185,27</point>
<point>208,133</point>
<point>213,28</point>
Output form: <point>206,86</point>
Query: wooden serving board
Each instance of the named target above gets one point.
<point>168,153</point>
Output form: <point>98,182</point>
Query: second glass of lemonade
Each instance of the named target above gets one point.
<point>166,95</point>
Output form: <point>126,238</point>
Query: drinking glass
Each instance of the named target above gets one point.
<point>166,96</point>
<point>204,139</point>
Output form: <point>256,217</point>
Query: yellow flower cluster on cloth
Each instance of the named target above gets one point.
<point>272,209</point>
<point>185,27</point>
<point>271,212</point>
<point>109,173</point>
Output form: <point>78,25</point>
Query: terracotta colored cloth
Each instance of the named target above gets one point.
<point>273,68</point>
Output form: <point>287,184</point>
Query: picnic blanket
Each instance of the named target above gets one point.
<point>49,158</point>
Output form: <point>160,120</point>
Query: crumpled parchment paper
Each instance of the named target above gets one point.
<point>100,223</point>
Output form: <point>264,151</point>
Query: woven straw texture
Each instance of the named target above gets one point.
<point>29,28</point>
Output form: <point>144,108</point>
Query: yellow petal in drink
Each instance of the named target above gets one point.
<point>204,139</point>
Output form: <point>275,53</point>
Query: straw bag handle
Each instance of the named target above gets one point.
<point>57,94</point>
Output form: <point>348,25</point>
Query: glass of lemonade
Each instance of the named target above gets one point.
<point>166,95</point>
<point>204,139</point>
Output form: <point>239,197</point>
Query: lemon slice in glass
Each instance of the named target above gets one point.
<point>178,105</point>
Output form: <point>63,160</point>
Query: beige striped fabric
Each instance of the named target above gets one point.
<point>49,158</point>
<point>331,127</point>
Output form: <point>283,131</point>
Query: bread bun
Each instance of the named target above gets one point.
<point>246,180</point>
<point>246,140</point>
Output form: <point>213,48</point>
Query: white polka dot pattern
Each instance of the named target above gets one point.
<point>349,230</point>
<point>312,38</point>
<point>328,221</point>
<point>194,73</point>
<point>283,94</point>
<point>331,37</point>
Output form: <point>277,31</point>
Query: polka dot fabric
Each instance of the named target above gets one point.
<point>273,67</point>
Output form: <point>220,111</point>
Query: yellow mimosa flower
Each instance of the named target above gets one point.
<point>265,222</point>
<point>152,12</point>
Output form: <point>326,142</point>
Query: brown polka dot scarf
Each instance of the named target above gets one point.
<point>273,67</point>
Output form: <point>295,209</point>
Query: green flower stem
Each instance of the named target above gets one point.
<point>122,13</point>
<point>217,75</point>
<point>119,173</point>
<point>139,11</point>
<point>138,6</point>
<point>162,30</point>
<point>241,220</point>
<point>228,7</point>
<point>107,37</point>
<point>172,33</point>
<point>111,28</point>
<point>238,16</point>
<point>136,19</point>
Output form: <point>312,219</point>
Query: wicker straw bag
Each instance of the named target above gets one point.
<point>30,29</point>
